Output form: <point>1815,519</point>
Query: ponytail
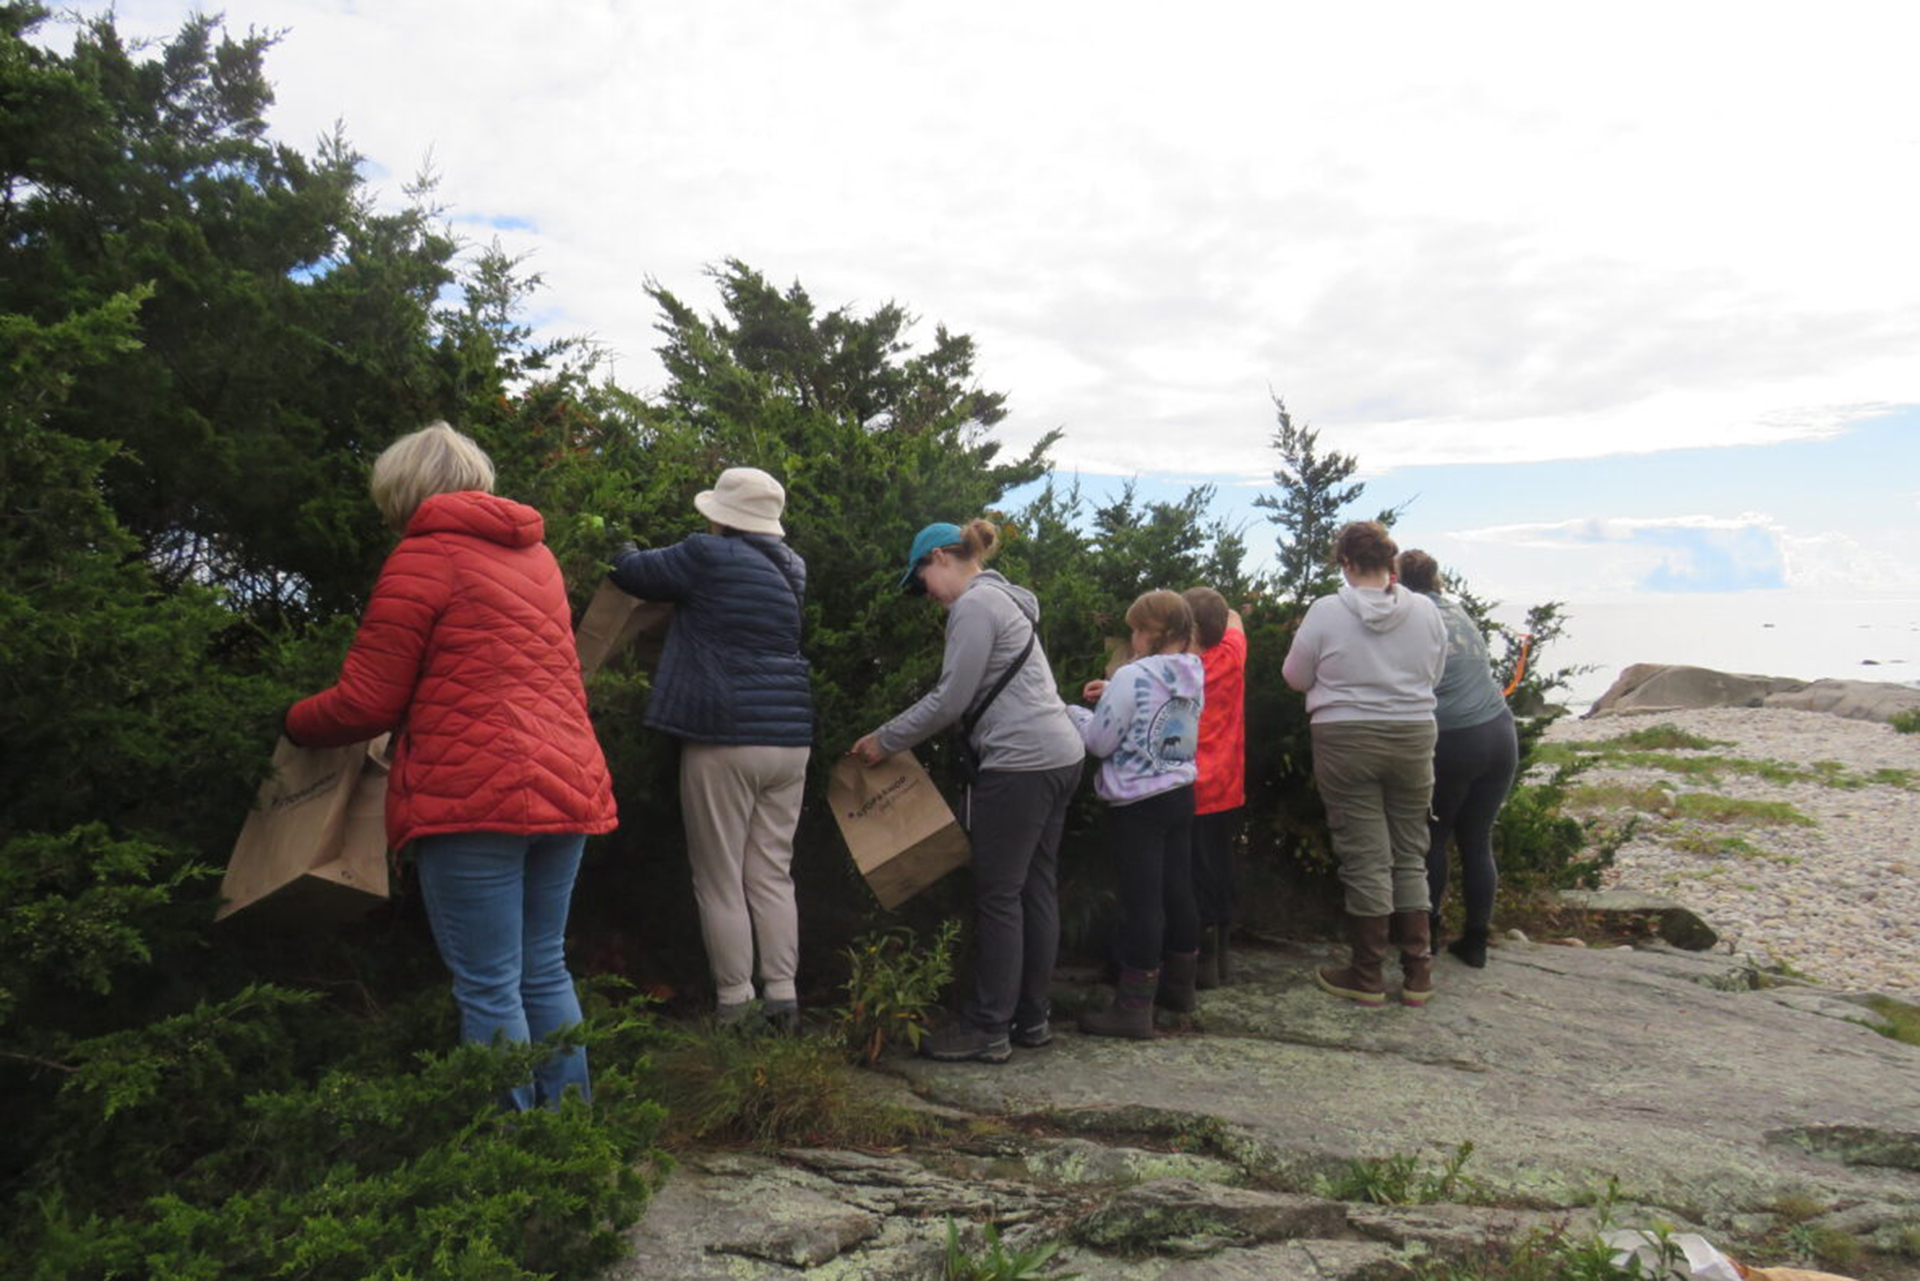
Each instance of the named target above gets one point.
<point>979,540</point>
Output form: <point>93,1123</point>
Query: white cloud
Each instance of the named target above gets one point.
<point>1516,231</point>
<point>1615,556</point>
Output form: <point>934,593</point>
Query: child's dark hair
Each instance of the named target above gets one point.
<point>1365,545</point>
<point>1418,571</point>
<point>1209,614</point>
<point>1165,616</point>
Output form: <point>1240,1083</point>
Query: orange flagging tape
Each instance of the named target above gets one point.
<point>1519,668</point>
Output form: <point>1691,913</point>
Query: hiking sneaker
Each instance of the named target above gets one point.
<point>1033,1035</point>
<point>960,1041</point>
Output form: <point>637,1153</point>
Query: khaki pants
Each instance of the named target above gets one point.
<point>1376,779</point>
<point>741,805</point>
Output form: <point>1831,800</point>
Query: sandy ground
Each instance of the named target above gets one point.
<point>1838,900</point>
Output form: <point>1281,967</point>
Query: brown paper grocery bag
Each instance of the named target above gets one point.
<point>316,841</point>
<point>614,622</point>
<point>896,823</point>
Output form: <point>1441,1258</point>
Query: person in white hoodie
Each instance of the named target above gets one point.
<point>1145,727</point>
<point>1367,659</point>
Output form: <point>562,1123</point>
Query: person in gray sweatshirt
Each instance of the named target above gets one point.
<point>1367,659</point>
<point>996,683</point>
<point>1475,758</point>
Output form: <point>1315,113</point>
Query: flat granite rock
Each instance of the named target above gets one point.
<point>1660,1073</point>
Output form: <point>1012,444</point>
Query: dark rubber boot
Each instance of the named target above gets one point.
<point>1178,978</point>
<point>1131,1014</point>
<point>1207,976</point>
<point>1360,981</point>
<point>1471,947</point>
<point>1416,957</point>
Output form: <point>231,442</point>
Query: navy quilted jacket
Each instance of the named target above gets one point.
<point>732,671</point>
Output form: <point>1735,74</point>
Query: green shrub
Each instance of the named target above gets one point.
<point>893,986</point>
<point>194,1147</point>
<point>1905,722</point>
<point>1540,847</point>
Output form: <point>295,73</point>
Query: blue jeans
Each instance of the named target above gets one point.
<point>498,905</point>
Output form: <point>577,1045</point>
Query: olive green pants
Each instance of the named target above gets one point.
<point>1376,780</point>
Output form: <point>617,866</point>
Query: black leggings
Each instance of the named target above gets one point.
<point>1473,770</point>
<point>1151,842</point>
<point>1213,840</point>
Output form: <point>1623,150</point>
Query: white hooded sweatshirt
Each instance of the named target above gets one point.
<point>1369,654</point>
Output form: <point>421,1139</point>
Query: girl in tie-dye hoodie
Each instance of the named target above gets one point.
<point>1146,728</point>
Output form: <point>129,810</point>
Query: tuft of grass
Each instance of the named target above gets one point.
<point>1708,808</point>
<point>1697,842</point>
<point>1618,796</point>
<point>1666,737</point>
<point>1902,1020</point>
<point>1905,722</point>
<point>1827,1246</point>
<point>1797,1207</point>
<point>723,1086</point>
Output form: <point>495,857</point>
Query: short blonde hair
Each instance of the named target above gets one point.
<point>434,460</point>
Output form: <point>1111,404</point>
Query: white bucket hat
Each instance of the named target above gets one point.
<point>744,498</point>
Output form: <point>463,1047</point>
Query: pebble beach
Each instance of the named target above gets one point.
<point>1830,888</point>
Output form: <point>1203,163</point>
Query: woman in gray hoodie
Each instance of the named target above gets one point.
<point>996,683</point>
<point>1367,659</point>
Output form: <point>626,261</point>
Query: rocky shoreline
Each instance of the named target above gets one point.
<point>1821,873</point>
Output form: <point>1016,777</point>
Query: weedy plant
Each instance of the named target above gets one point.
<point>1402,1180</point>
<point>1548,1255</point>
<point>1905,722</point>
<point>893,985</point>
<point>998,1263</point>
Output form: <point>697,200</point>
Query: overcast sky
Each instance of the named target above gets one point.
<point>1451,235</point>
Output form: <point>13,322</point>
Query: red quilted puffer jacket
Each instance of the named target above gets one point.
<point>467,651</point>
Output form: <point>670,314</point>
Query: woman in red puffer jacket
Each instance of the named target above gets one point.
<point>466,653</point>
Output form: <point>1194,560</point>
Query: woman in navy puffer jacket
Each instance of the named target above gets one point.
<point>734,688</point>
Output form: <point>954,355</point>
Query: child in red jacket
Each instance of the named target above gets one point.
<point>1219,794</point>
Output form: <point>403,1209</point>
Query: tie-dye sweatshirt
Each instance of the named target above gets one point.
<point>1146,727</point>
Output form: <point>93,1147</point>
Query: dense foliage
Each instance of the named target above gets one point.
<point>205,338</point>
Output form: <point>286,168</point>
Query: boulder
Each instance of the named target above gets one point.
<point>1674,922</point>
<point>1855,700</point>
<point>1663,687</point>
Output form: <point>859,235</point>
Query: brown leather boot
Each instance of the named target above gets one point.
<point>1412,933</point>
<point>1360,980</point>
<point>1131,1014</point>
<point>1179,975</point>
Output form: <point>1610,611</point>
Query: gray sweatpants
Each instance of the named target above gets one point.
<point>741,805</point>
<point>1376,779</point>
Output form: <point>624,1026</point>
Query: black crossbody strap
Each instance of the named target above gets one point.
<point>972,718</point>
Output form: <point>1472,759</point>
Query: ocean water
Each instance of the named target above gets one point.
<point>1782,633</point>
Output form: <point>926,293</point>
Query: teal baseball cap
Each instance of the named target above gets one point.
<point>938,534</point>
